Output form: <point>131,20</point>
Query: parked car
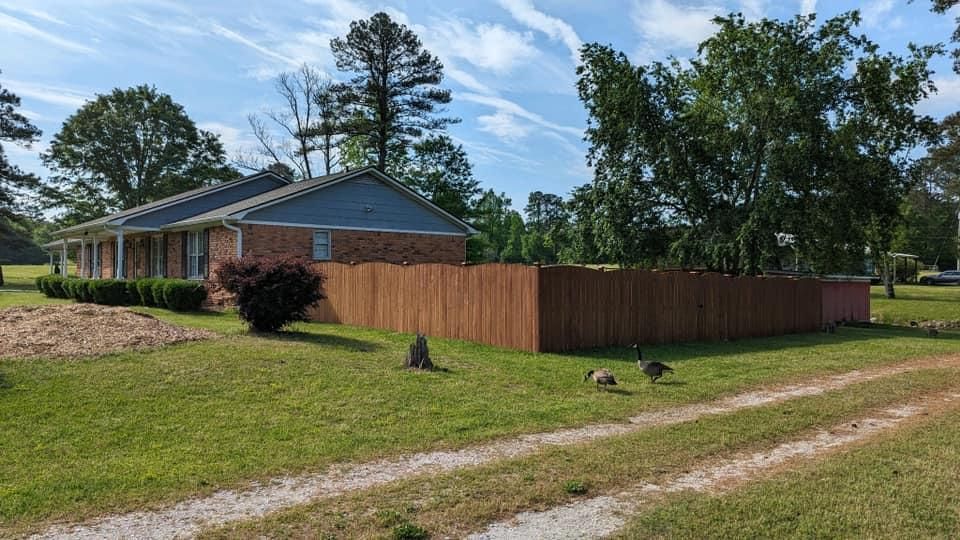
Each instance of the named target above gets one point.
<point>950,277</point>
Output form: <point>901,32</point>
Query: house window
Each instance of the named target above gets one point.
<point>195,252</point>
<point>157,256</point>
<point>321,245</point>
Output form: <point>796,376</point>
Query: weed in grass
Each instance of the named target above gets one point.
<point>410,531</point>
<point>575,487</point>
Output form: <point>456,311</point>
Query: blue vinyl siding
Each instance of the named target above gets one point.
<point>205,203</point>
<point>345,205</point>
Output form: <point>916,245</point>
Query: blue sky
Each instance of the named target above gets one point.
<point>509,63</point>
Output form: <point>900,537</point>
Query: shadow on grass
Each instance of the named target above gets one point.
<point>324,340</point>
<point>680,352</point>
<point>5,383</point>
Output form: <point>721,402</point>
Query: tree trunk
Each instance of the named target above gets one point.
<point>886,270</point>
<point>1,276</point>
<point>419,355</point>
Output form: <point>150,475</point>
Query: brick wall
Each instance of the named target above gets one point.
<point>355,246</point>
<point>106,259</point>
<point>223,245</point>
<point>174,255</point>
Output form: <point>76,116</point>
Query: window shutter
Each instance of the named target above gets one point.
<point>163,258</point>
<point>184,254</point>
<point>206,254</point>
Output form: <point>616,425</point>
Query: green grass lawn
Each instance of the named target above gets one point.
<point>20,277</point>
<point>907,485</point>
<point>138,429</point>
<point>916,303</point>
<point>454,504</point>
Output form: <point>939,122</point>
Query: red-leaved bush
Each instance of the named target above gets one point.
<point>271,292</point>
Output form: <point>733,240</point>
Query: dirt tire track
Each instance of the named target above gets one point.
<point>189,517</point>
<point>603,515</point>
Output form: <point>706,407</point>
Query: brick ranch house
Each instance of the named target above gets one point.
<point>353,216</point>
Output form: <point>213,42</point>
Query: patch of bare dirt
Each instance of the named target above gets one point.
<point>68,331</point>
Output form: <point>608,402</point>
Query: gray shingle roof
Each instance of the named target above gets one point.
<point>229,210</point>
<point>131,212</point>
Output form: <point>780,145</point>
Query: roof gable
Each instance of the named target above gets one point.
<point>241,187</point>
<point>286,210</point>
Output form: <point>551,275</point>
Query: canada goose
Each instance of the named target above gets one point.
<point>830,327</point>
<point>653,369</point>
<point>601,376</point>
<point>914,324</point>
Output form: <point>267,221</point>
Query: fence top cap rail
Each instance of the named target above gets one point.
<point>844,278</point>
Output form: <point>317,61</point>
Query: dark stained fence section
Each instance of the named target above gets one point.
<point>491,303</point>
<point>565,307</point>
<point>845,300</point>
<point>582,308</point>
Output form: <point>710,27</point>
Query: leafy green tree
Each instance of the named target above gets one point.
<point>16,186</point>
<point>944,6</point>
<point>513,248</point>
<point>547,224</point>
<point>394,94</point>
<point>440,171</point>
<point>492,219</point>
<point>128,148</point>
<point>775,126</point>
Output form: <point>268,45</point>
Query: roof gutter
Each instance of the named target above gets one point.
<point>239,232</point>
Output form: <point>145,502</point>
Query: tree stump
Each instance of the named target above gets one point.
<point>419,355</point>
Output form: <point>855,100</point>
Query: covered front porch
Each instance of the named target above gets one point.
<point>116,253</point>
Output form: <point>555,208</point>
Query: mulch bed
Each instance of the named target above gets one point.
<point>75,330</point>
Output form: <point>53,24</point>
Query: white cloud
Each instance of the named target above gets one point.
<point>55,95</point>
<point>504,125</point>
<point>524,12</point>
<point>235,140</point>
<point>487,46</point>
<point>808,6</point>
<point>505,107</point>
<point>227,33</point>
<point>753,9</point>
<point>666,26</point>
<point>17,26</point>
<point>876,14</point>
<point>944,101</point>
<point>35,13</point>
<point>465,79</point>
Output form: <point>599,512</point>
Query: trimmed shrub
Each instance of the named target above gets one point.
<point>68,288</point>
<point>53,286</point>
<point>271,292</point>
<point>109,292</point>
<point>39,282</point>
<point>82,288</point>
<point>133,295</point>
<point>183,295</point>
<point>145,291</point>
<point>156,292</point>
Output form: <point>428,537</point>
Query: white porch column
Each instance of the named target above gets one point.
<point>51,260</point>
<point>96,259</point>
<point>63,259</point>
<point>82,257</point>
<point>120,273</point>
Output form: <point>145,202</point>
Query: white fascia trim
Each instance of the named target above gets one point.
<point>343,228</point>
<point>219,188</point>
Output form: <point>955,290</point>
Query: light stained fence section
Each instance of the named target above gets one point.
<point>846,300</point>
<point>491,303</point>
<point>566,308</point>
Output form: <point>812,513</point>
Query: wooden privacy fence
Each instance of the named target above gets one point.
<point>563,307</point>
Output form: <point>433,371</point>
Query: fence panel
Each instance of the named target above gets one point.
<point>580,307</point>
<point>565,307</point>
<point>491,303</point>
